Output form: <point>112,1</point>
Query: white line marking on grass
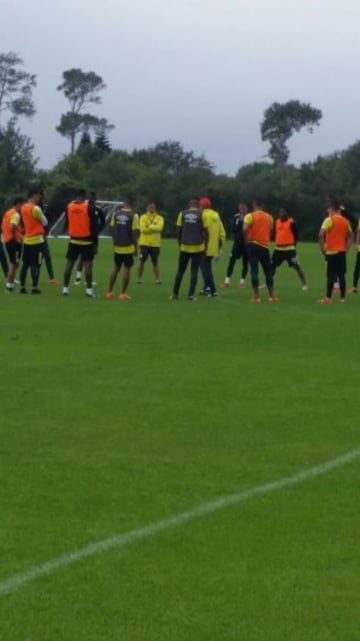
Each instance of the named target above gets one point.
<point>17,581</point>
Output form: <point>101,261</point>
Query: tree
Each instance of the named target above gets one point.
<point>91,152</point>
<point>102,143</point>
<point>102,129</point>
<point>70,167</point>
<point>80,88</point>
<point>110,172</point>
<point>85,140</point>
<point>172,155</point>
<point>86,149</point>
<point>73,124</point>
<point>281,121</point>
<point>16,87</point>
<point>17,162</point>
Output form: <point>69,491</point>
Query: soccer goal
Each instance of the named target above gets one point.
<point>108,206</point>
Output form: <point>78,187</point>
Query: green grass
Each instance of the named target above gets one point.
<point>118,414</point>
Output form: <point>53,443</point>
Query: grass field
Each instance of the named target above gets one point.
<point>115,415</point>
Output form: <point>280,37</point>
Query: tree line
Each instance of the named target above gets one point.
<point>166,172</point>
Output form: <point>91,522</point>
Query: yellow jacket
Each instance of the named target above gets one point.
<point>216,231</point>
<point>151,226</point>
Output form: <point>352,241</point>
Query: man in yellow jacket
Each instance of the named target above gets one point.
<point>151,226</point>
<point>216,239</point>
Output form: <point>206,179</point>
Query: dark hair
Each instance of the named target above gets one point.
<point>258,201</point>
<point>335,204</point>
<point>18,200</point>
<point>80,193</point>
<point>129,200</point>
<point>34,191</point>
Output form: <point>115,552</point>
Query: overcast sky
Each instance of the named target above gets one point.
<point>198,71</point>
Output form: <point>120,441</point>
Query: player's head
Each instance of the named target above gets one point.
<point>243,208</point>
<point>257,204</point>
<point>283,213</point>
<point>18,202</point>
<point>92,196</point>
<point>335,205</point>
<point>151,208</point>
<point>128,202</point>
<point>35,194</point>
<point>205,203</point>
<point>194,203</point>
<point>80,194</point>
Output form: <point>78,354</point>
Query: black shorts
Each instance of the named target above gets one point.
<point>86,252</point>
<point>336,263</point>
<point>288,255</point>
<point>153,252</point>
<point>14,251</point>
<point>33,254</point>
<point>124,259</point>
